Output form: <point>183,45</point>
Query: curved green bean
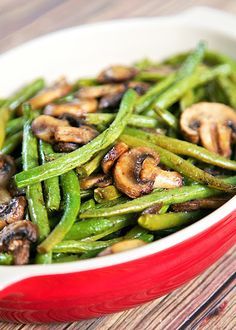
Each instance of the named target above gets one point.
<point>85,153</point>
<point>179,164</point>
<point>51,186</point>
<point>14,125</point>
<point>79,246</point>
<point>11,143</point>
<point>71,192</point>
<point>168,220</point>
<point>6,259</point>
<point>185,148</point>
<point>173,196</point>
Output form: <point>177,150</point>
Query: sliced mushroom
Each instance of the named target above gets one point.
<point>12,211</point>
<point>7,169</point>
<point>162,179</point>
<point>76,108</point>
<point>139,86</point>
<point>65,146</point>
<point>211,124</point>
<point>122,246</point>
<point>16,238</point>
<point>99,91</point>
<point>136,173</point>
<point>111,101</point>
<point>206,203</point>
<point>117,73</point>
<point>48,95</point>
<point>5,196</point>
<point>153,209</point>
<point>113,154</point>
<point>97,180</point>
<point>44,127</point>
<point>80,135</point>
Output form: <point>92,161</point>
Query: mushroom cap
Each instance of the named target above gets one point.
<point>60,89</point>
<point>80,135</point>
<point>77,108</point>
<point>100,91</point>
<point>14,210</point>
<point>7,169</point>
<point>127,172</point>
<point>117,73</point>
<point>113,154</point>
<point>44,127</point>
<point>96,180</point>
<point>212,124</point>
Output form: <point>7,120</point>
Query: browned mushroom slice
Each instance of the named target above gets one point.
<point>117,73</point>
<point>7,169</point>
<point>99,91</point>
<point>139,86</point>
<point>16,238</point>
<point>65,146</point>
<point>5,196</point>
<point>136,173</point>
<point>111,101</point>
<point>44,127</point>
<point>76,108</point>
<point>113,154</point>
<point>50,94</point>
<point>80,135</point>
<point>212,124</point>
<point>153,209</point>
<point>97,180</point>
<point>12,211</point>
<point>206,203</point>
<point>162,179</point>
<point>122,246</point>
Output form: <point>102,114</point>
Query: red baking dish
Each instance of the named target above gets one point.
<point>94,287</point>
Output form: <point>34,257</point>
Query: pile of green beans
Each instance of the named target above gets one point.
<point>75,223</point>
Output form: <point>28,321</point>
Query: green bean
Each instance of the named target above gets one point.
<point>85,153</point>
<point>90,254</point>
<point>6,259</point>
<point>173,196</point>
<point>71,192</point>
<point>213,57</point>
<point>43,258</point>
<point>113,202</point>
<point>169,220</point>
<point>90,227</point>
<point>14,125</point>
<point>92,165</point>
<point>138,232</point>
<point>150,76</point>
<point>187,100</point>
<point>187,68</point>
<point>89,204</point>
<point>145,64</point>
<point>64,258</point>
<point>200,77</point>
<point>86,193</point>
<point>108,193</point>
<point>118,226</point>
<point>34,193</point>
<point>24,94</point>
<point>135,232</point>
<point>51,186</point>
<point>11,143</point>
<point>106,119</point>
<point>229,89</point>
<point>168,118</point>
<point>163,209</point>
<point>179,164</point>
<point>2,101</point>
<point>186,148</point>
<point>79,247</point>
<point>148,98</point>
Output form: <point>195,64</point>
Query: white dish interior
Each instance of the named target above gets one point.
<point>84,51</point>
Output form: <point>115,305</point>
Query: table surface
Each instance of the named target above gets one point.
<point>209,301</point>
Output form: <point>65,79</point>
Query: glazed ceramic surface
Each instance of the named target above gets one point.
<point>90,288</point>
